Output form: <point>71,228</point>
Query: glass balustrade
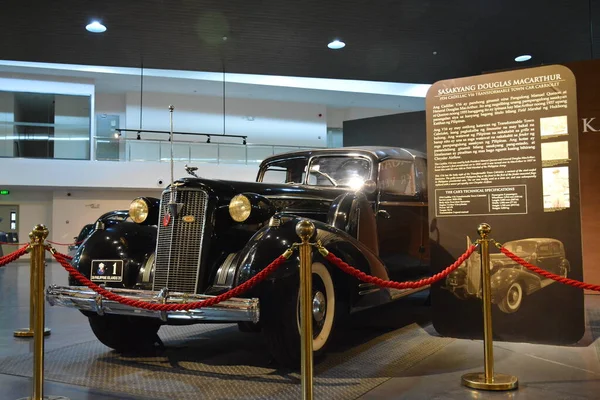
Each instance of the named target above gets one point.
<point>129,149</point>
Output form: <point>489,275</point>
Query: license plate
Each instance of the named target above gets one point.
<point>107,271</point>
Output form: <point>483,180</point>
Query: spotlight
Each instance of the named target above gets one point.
<point>336,45</point>
<point>524,57</point>
<point>138,136</point>
<point>244,142</point>
<point>208,140</point>
<point>95,27</point>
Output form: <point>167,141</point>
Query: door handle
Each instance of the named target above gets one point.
<point>384,214</point>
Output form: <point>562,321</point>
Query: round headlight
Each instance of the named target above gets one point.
<point>138,210</point>
<point>239,208</point>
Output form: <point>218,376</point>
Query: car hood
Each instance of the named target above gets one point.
<point>223,187</point>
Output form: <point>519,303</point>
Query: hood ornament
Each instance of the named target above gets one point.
<point>191,170</point>
<point>174,207</point>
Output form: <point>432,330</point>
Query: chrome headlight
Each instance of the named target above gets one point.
<point>139,210</point>
<point>240,208</point>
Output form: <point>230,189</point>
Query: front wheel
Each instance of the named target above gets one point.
<point>282,318</point>
<point>513,299</point>
<point>125,334</point>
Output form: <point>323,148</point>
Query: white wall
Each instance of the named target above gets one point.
<point>109,174</point>
<point>111,104</point>
<point>35,207</point>
<point>71,213</point>
<point>263,121</point>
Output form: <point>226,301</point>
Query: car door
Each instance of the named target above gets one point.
<point>402,218</point>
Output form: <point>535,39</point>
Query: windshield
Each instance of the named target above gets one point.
<point>339,171</point>
<point>520,246</point>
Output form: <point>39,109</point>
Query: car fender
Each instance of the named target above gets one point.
<point>270,242</point>
<point>504,277</point>
<point>125,241</point>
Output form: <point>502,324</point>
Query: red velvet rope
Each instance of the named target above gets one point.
<point>15,255</point>
<point>170,307</point>
<point>546,274</point>
<point>398,285</point>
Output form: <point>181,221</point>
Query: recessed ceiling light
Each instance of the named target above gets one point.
<point>95,27</point>
<point>524,57</point>
<point>336,45</point>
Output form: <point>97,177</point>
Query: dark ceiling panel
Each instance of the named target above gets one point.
<point>389,40</point>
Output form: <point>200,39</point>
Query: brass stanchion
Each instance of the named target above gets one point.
<point>28,332</point>
<point>305,229</point>
<point>488,380</point>
<point>38,270</point>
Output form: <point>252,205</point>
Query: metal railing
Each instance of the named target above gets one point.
<point>130,149</point>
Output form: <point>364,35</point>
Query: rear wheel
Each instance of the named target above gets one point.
<point>125,334</point>
<point>282,318</point>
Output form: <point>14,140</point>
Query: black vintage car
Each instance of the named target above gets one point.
<point>204,237</point>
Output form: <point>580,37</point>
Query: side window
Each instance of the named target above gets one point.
<point>283,171</point>
<point>397,177</point>
<point>543,250</point>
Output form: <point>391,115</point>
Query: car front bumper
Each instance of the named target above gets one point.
<point>233,310</point>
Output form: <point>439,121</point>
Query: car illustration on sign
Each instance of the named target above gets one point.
<point>510,282</point>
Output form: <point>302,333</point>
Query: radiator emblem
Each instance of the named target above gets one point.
<point>188,218</point>
<point>166,219</point>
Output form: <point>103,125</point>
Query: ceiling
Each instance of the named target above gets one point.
<point>419,41</point>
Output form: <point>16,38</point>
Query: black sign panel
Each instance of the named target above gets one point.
<point>107,271</point>
<point>503,149</point>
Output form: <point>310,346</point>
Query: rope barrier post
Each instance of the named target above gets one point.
<point>28,332</point>
<point>488,380</point>
<point>38,268</point>
<point>305,230</point>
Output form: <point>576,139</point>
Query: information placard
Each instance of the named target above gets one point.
<point>502,149</point>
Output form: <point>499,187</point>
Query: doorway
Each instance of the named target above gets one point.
<point>9,227</point>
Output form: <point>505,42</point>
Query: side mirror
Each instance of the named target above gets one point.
<point>369,186</point>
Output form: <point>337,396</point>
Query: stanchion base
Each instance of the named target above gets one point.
<point>476,380</point>
<point>26,332</point>
<point>47,398</point>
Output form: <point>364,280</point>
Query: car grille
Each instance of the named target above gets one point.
<point>179,245</point>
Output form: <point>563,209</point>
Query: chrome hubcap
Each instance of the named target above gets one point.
<point>319,306</point>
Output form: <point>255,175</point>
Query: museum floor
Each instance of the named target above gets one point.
<point>392,352</point>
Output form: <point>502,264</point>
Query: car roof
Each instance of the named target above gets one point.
<point>378,152</point>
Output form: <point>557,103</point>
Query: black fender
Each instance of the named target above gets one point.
<point>125,241</point>
<point>270,242</point>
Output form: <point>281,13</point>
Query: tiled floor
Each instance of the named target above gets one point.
<point>545,372</point>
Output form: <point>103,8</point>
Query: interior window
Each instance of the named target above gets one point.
<point>339,171</point>
<point>284,171</point>
<point>397,177</point>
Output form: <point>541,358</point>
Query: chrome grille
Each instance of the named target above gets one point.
<point>179,245</point>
